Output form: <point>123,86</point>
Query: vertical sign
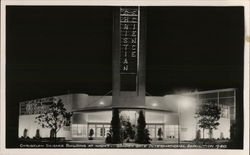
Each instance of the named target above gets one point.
<point>129,20</point>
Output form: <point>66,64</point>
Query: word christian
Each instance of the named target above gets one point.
<point>129,20</point>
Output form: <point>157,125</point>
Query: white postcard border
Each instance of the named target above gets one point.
<point>244,3</point>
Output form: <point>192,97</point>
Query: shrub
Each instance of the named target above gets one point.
<point>108,139</point>
<point>91,133</point>
<point>37,136</point>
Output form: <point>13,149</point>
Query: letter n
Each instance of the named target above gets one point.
<point>125,68</point>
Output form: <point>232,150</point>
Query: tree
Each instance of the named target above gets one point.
<point>129,132</point>
<point>142,132</point>
<point>37,136</point>
<point>91,133</point>
<point>147,138</point>
<point>159,133</point>
<point>25,134</point>
<point>208,114</point>
<point>198,134</point>
<point>115,130</point>
<point>108,139</point>
<point>55,118</point>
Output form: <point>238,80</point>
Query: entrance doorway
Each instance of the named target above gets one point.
<point>130,116</point>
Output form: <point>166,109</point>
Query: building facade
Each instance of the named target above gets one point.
<point>170,113</point>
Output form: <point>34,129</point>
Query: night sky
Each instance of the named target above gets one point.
<point>59,50</point>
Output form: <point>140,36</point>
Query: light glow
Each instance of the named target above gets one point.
<point>154,104</point>
<point>101,103</point>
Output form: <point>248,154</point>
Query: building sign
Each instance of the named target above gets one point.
<point>37,106</point>
<point>129,20</point>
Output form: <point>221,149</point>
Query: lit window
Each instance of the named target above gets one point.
<point>171,131</point>
<point>224,112</point>
<point>77,130</point>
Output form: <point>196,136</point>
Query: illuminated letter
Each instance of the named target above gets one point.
<point>133,54</point>
<point>125,61</point>
<point>134,26</point>
<point>125,40</point>
<point>133,34</point>
<point>125,68</point>
<point>133,40</point>
<point>133,47</point>
<point>126,33</point>
<point>125,46</point>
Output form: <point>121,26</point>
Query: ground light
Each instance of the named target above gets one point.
<point>184,102</point>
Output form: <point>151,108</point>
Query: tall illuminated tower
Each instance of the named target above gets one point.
<point>129,57</point>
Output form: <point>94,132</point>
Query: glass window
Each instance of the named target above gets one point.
<point>226,93</point>
<point>108,126</point>
<point>208,95</point>
<point>106,131</point>
<point>91,126</point>
<point>232,114</point>
<point>171,131</point>
<point>74,129</point>
<point>209,101</point>
<point>227,101</point>
<point>84,131</point>
<point>100,130</point>
<point>77,130</point>
<point>224,112</point>
<point>151,132</point>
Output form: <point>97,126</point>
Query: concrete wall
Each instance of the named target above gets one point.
<point>161,117</point>
<point>92,117</point>
<point>79,101</point>
<point>103,116</point>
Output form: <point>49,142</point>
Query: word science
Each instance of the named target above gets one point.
<point>129,20</point>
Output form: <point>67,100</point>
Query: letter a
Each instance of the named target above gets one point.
<point>125,61</point>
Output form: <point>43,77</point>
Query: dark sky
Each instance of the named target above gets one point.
<point>56,50</point>
<point>199,48</point>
